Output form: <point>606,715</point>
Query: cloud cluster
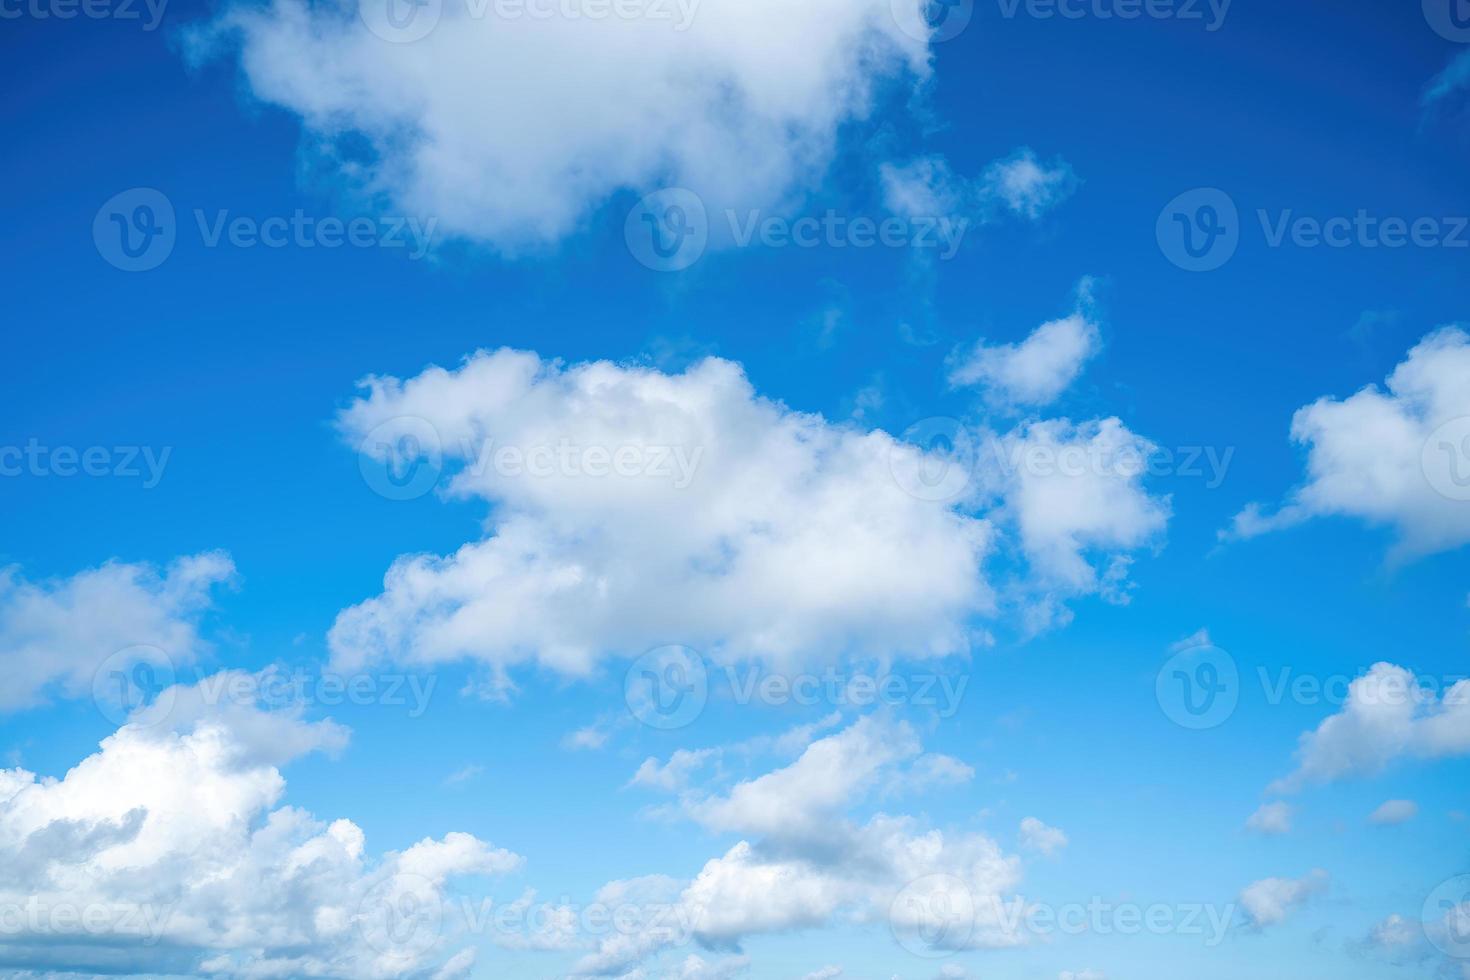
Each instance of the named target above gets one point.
<point>1398,457</point>
<point>512,128</point>
<point>1268,902</point>
<point>1387,717</point>
<point>167,851</point>
<point>55,634</point>
<point>1021,185</point>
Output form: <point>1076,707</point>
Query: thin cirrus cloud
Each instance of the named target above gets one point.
<point>1395,456</point>
<point>512,130</point>
<point>739,526</point>
<point>56,633</point>
<point>1020,185</point>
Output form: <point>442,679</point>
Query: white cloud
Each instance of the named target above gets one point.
<point>1037,836</point>
<point>55,634</point>
<point>740,527</point>
<point>1082,975</point>
<point>1394,812</point>
<point>1271,819</point>
<point>1388,716</point>
<point>1026,186</point>
<point>1399,458</point>
<point>514,129</point>
<point>808,866</point>
<point>825,973</point>
<point>791,538</point>
<point>1036,371</point>
<point>1396,932</point>
<point>1270,901</point>
<point>174,836</point>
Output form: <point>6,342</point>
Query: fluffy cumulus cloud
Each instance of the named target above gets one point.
<point>56,634</point>
<point>803,863</point>
<point>1034,372</point>
<point>168,852</point>
<point>1268,902</point>
<point>633,506</point>
<point>1397,456</point>
<point>511,126</point>
<point>927,187</point>
<point>1388,717</point>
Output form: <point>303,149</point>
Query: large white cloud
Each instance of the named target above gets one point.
<point>511,127</point>
<point>55,634</point>
<point>1398,458</point>
<point>1388,716</point>
<point>635,508</point>
<point>167,851</point>
<point>791,537</point>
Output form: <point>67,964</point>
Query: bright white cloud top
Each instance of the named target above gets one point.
<point>513,129</point>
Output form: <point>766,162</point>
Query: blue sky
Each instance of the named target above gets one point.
<point>1035,307</point>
